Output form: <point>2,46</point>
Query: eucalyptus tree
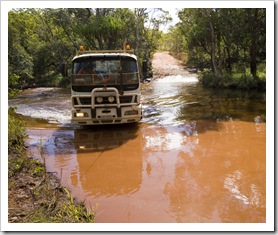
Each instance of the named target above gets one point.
<point>20,48</point>
<point>148,33</point>
<point>231,40</point>
<point>200,27</point>
<point>157,18</point>
<point>256,23</point>
<point>41,39</point>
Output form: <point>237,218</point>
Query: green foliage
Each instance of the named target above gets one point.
<point>40,40</point>
<point>76,212</point>
<point>220,40</point>
<point>20,28</point>
<point>229,42</point>
<point>16,135</point>
<point>59,211</point>
<point>234,80</point>
<point>13,85</point>
<point>16,131</point>
<point>173,41</point>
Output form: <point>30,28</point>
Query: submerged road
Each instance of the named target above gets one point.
<point>198,155</point>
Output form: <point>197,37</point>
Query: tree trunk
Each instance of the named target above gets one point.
<point>253,62</point>
<point>215,69</point>
<point>253,45</point>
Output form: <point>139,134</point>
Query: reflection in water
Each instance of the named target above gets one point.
<point>99,162</point>
<point>221,184</point>
<point>170,138</point>
<point>142,175</point>
<point>232,185</point>
<point>114,166</point>
<point>174,103</point>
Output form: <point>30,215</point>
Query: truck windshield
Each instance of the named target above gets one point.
<point>102,71</point>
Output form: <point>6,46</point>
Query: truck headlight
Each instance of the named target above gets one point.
<point>99,99</point>
<point>80,115</point>
<point>111,99</point>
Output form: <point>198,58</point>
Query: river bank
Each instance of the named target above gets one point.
<point>35,195</point>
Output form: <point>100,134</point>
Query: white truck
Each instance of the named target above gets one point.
<point>105,87</point>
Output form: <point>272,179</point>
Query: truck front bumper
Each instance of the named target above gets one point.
<point>107,115</point>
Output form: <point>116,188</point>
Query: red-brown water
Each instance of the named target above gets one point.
<point>150,174</point>
<point>198,155</point>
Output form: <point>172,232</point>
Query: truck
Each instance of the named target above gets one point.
<point>105,87</point>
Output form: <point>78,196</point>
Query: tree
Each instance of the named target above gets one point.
<point>231,40</point>
<point>41,39</point>
<point>20,28</point>
<point>257,31</point>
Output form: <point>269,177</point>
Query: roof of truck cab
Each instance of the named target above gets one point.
<point>95,55</point>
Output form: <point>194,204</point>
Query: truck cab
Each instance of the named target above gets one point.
<point>105,88</point>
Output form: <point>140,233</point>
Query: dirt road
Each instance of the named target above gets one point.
<point>166,65</point>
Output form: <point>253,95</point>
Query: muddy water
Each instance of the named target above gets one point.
<point>198,155</point>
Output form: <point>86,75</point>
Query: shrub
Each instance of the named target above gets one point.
<point>16,131</point>
<point>234,80</point>
<point>209,79</point>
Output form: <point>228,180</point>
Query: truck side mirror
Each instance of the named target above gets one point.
<point>64,69</point>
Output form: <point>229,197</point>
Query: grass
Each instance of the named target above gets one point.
<point>234,80</point>
<point>36,196</point>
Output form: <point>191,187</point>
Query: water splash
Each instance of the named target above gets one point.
<point>177,78</point>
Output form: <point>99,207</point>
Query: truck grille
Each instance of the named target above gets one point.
<point>105,101</point>
<point>125,99</point>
